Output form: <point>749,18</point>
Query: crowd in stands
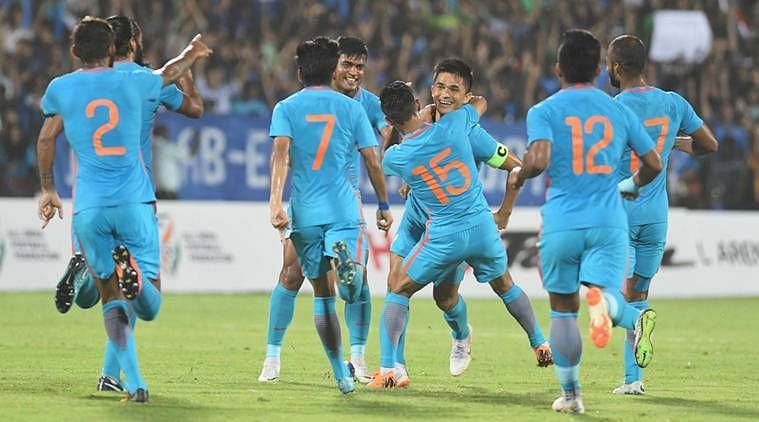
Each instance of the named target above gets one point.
<point>510,44</point>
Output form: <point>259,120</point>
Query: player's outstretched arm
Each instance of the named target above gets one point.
<point>509,199</point>
<point>192,104</point>
<point>700,142</point>
<point>49,201</point>
<point>280,165</point>
<point>177,66</point>
<point>376,176</point>
<point>535,161</point>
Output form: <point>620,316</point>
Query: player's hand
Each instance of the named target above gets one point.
<point>501,220</point>
<point>427,113</point>
<point>628,189</point>
<point>49,202</point>
<point>515,181</point>
<point>404,190</point>
<point>478,102</point>
<point>198,48</point>
<point>384,220</point>
<point>279,218</point>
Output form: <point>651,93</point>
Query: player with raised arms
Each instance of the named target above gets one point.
<point>77,285</point>
<point>347,79</point>
<point>101,111</point>
<point>325,213</point>
<point>663,114</point>
<point>578,136</point>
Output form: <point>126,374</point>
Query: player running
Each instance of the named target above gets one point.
<point>77,285</point>
<point>100,110</point>
<point>442,174</point>
<point>347,79</point>
<point>324,208</point>
<point>578,136</point>
<point>664,114</point>
<point>451,88</point>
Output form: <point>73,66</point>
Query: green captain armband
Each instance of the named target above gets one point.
<point>499,156</point>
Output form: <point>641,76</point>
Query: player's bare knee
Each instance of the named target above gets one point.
<point>291,277</point>
<point>502,284</point>
<point>445,303</point>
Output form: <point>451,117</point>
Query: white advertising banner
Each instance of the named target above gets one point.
<point>230,247</point>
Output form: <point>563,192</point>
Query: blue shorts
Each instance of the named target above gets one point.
<point>646,249</point>
<point>314,246</point>
<point>594,255</point>
<point>100,230</point>
<point>410,232</point>
<point>438,260</point>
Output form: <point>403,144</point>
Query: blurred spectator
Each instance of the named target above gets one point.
<point>169,160</point>
<point>510,44</point>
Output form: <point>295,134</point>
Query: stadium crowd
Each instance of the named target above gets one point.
<point>509,43</point>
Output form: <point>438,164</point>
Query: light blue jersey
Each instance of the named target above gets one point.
<point>441,171</point>
<point>589,132</point>
<point>663,114</point>
<point>325,128</point>
<point>171,98</point>
<point>371,105</point>
<point>102,114</point>
<point>411,227</point>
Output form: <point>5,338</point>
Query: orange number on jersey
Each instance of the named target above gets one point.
<point>442,174</point>
<point>656,121</point>
<point>589,165</point>
<point>329,119</point>
<point>113,120</point>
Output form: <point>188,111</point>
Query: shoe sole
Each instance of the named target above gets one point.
<point>544,356</point>
<point>64,290</point>
<point>644,348</point>
<point>600,333</point>
<point>128,277</point>
<point>346,269</point>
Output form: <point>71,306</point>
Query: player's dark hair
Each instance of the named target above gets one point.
<point>91,39</point>
<point>353,47</point>
<point>629,52</point>
<point>398,102</point>
<point>317,59</point>
<point>124,30</point>
<point>579,55</point>
<point>456,67</point>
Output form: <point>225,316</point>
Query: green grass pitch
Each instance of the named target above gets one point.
<point>202,355</point>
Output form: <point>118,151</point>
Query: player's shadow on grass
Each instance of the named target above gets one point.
<point>159,406</point>
<point>714,407</point>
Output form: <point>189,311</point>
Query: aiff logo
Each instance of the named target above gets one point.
<point>170,247</point>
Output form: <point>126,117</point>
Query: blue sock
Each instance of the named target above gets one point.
<point>456,317</point>
<point>281,310</point>
<point>116,318</point>
<point>328,328</point>
<point>147,305</point>
<point>621,313</point>
<point>358,317</point>
<point>566,346</point>
<point>392,327</point>
<point>86,292</point>
<point>519,306</point>
<point>111,366</point>
<point>387,358</point>
<point>632,371</point>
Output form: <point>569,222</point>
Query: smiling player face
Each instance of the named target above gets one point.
<point>449,92</point>
<point>349,73</point>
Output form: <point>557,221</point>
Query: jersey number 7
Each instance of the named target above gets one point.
<point>656,121</point>
<point>329,119</point>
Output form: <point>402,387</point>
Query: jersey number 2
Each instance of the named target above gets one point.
<point>113,120</point>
